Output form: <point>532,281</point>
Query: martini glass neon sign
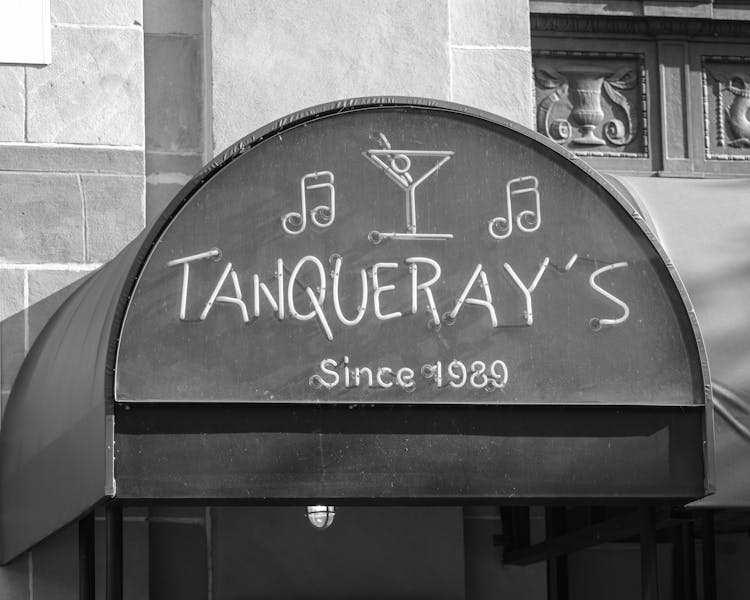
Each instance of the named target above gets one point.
<point>396,164</point>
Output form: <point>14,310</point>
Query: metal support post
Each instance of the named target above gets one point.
<point>709,556</point>
<point>649,571</point>
<point>557,567</point>
<point>86,558</point>
<point>114,552</point>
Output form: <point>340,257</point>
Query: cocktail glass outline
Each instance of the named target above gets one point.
<point>396,165</point>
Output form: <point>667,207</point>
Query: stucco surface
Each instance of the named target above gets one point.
<point>490,23</point>
<point>270,59</point>
<point>499,81</point>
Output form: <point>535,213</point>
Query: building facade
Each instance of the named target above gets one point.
<point>138,96</point>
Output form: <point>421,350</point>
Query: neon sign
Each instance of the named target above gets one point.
<point>402,256</point>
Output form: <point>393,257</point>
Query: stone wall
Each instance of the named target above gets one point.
<point>173,49</point>
<point>271,59</point>
<point>71,163</point>
<point>71,196</point>
<point>138,96</point>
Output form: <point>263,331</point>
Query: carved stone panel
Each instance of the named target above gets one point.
<point>593,103</point>
<point>726,107</point>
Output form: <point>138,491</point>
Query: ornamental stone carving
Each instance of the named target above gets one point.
<point>726,107</point>
<point>592,103</point>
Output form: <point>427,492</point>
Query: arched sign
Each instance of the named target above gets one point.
<point>405,254</point>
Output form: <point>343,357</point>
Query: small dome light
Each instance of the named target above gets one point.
<point>321,517</point>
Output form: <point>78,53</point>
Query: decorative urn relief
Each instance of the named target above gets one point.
<point>592,106</point>
<point>726,106</point>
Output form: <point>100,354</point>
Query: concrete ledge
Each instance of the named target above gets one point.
<point>97,12</point>
<point>71,159</point>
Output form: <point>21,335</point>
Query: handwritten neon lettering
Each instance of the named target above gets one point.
<point>336,298</point>
<point>259,286</point>
<point>378,289</point>
<point>424,286</point>
<point>236,300</point>
<point>597,323</point>
<point>327,366</point>
<point>527,291</point>
<point>280,297</point>
<point>464,299</point>
<point>379,377</point>
<point>321,287</point>
<point>185,261</point>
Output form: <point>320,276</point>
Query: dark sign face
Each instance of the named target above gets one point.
<point>406,255</point>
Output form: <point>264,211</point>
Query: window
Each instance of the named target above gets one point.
<point>25,31</point>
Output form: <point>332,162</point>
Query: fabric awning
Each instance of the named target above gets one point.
<point>56,443</point>
<point>704,225</point>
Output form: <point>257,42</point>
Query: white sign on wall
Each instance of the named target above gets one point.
<point>25,32</point>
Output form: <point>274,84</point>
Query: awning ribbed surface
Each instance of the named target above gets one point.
<point>56,455</point>
<point>704,225</point>
<point>55,463</point>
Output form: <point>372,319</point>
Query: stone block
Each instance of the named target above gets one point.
<point>55,566</point>
<point>158,196</point>
<point>47,291</point>
<point>12,349</point>
<point>12,104</point>
<point>487,23</point>
<point>92,93</point>
<point>173,16</point>
<point>158,163</point>
<point>498,81</point>
<point>12,326</point>
<point>114,213</point>
<point>71,159</point>
<point>41,218</point>
<point>270,59</point>
<point>11,292</point>
<point>174,91</point>
<point>96,12</point>
<point>166,174</point>
<point>14,579</point>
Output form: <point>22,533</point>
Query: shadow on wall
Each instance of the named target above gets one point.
<point>46,291</point>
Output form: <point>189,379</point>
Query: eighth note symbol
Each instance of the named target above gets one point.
<point>322,215</point>
<point>527,221</point>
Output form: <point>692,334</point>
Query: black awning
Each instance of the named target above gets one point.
<point>704,225</point>
<point>55,442</point>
